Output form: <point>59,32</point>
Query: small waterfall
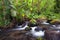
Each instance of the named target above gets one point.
<point>21,27</point>
<point>35,33</point>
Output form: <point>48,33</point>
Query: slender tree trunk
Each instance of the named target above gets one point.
<point>32,5</point>
<point>38,7</point>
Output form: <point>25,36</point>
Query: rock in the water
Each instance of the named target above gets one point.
<point>15,35</point>
<point>52,35</point>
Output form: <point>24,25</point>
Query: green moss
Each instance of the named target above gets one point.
<point>33,21</point>
<point>39,38</point>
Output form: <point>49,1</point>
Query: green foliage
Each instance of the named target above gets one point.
<point>4,22</point>
<point>39,38</point>
<point>33,21</point>
<point>4,11</point>
<point>57,6</point>
<point>32,9</point>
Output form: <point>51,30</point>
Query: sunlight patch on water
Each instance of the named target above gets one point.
<point>45,23</point>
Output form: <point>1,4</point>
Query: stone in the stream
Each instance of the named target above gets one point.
<point>42,21</point>
<point>55,22</point>
<point>16,35</point>
<point>45,27</point>
<point>52,35</point>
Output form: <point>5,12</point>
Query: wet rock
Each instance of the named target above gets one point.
<point>55,22</point>
<point>39,21</point>
<point>16,35</point>
<point>45,27</point>
<point>32,25</point>
<point>52,35</point>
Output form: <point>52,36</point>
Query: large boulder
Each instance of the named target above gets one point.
<point>52,35</point>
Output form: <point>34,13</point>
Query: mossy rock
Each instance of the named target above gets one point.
<point>55,21</point>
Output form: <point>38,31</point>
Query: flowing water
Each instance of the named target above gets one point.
<point>19,33</point>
